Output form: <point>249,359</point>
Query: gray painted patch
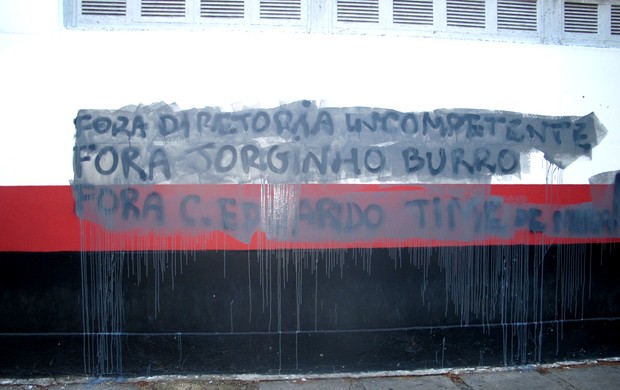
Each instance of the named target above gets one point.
<point>303,143</point>
<point>604,177</point>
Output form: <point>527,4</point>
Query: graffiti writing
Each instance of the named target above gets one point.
<point>303,143</point>
<point>321,213</point>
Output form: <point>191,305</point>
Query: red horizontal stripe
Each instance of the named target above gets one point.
<point>42,219</point>
<point>38,219</point>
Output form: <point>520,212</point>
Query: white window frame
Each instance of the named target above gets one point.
<point>192,19</point>
<point>440,27</point>
<point>320,16</point>
<point>603,35</point>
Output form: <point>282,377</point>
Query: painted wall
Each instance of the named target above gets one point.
<point>75,300</point>
<point>49,73</point>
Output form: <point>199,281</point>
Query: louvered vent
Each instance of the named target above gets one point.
<point>221,8</point>
<point>163,8</point>
<point>615,19</point>
<point>417,12</point>
<point>360,11</point>
<point>280,9</point>
<point>104,7</point>
<point>581,18</point>
<point>466,13</point>
<point>517,15</point>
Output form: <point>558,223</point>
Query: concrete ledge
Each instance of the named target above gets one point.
<point>590,374</point>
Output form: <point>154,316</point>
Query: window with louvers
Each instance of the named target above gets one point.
<point>280,9</point>
<point>615,19</point>
<point>358,11</point>
<point>580,17</point>
<point>576,21</point>
<point>222,8</point>
<point>466,13</point>
<point>413,12</point>
<point>104,7</point>
<point>518,15</point>
<point>162,8</point>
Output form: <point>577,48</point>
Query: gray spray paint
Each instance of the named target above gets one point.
<point>160,144</point>
<point>493,290</point>
<point>303,143</point>
<point>290,213</point>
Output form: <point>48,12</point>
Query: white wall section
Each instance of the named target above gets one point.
<point>48,73</point>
